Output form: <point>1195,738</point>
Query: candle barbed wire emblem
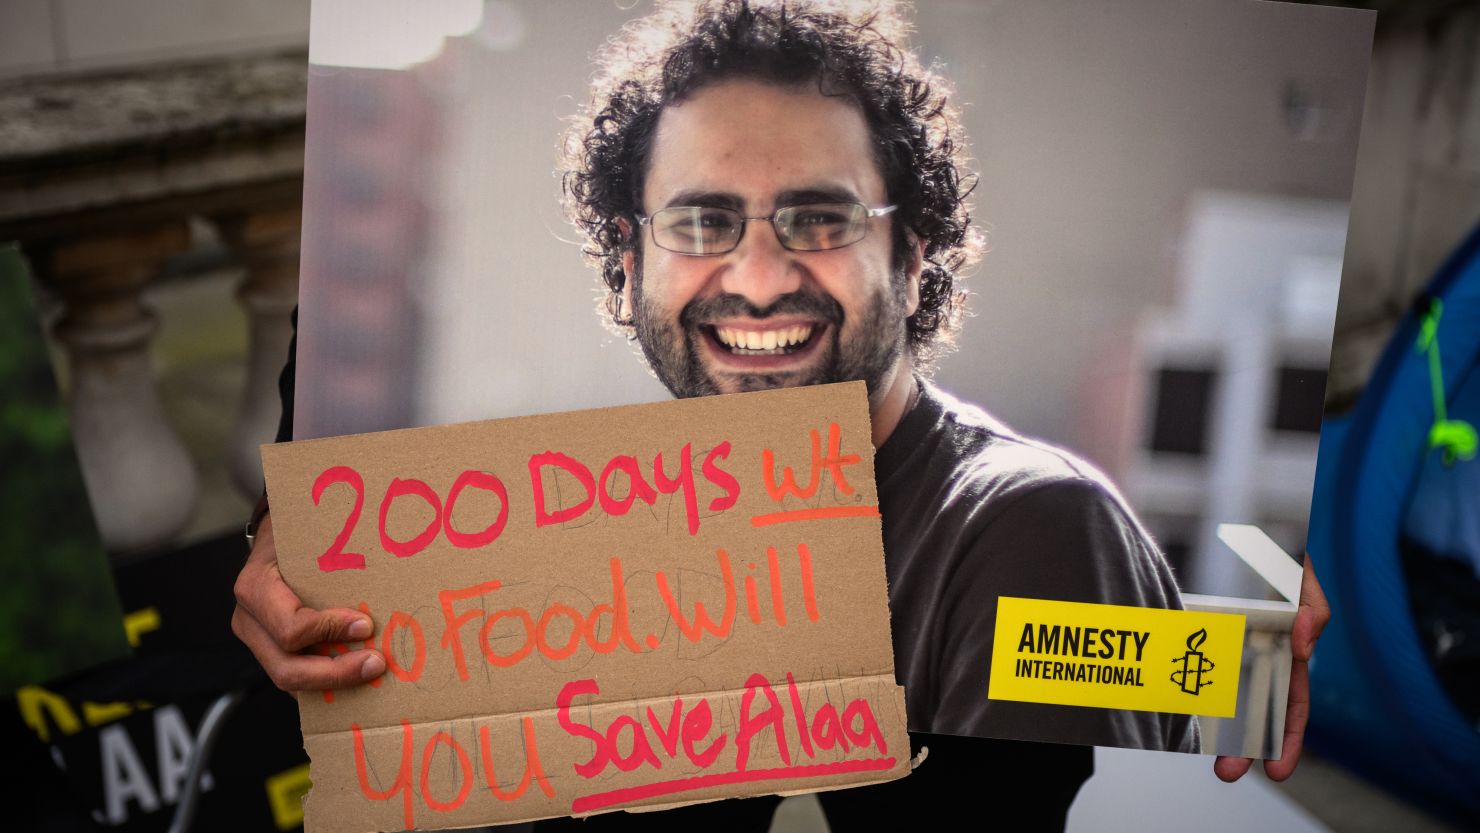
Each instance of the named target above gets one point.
<point>1190,677</point>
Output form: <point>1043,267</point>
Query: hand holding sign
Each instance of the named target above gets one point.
<point>276,625</point>
<point>584,612</point>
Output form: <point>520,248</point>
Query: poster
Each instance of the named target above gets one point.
<point>1160,192</point>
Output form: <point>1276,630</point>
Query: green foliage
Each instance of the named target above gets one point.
<point>58,608</point>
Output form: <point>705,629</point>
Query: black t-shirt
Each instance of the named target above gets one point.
<point>973,511</point>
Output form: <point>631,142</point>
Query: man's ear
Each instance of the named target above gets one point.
<point>913,270</point>
<point>629,263</point>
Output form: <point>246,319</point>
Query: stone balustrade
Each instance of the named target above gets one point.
<point>101,177</point>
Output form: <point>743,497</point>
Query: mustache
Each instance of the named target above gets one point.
<point>703,310</point>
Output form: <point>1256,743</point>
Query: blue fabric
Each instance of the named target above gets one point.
<point>1378,705</point>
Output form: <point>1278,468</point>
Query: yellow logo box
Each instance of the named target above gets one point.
<point>1116,657</point>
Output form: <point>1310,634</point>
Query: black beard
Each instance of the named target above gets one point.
<point>673,353</point>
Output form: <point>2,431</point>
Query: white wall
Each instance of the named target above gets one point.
<point>43,36</point>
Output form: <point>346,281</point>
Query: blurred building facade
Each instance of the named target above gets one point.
<point>1417,192</point>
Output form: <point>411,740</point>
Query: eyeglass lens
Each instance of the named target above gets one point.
<point>709,231</point>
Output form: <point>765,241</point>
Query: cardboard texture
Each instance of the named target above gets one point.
<point>624,608</point>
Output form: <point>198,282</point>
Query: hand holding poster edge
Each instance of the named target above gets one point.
<point>275,625</point>
<point>780,728</point>
<point>1312,617</point>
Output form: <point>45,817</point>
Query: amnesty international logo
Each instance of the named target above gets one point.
<point>1194,665</point>
<point>1111,656</point>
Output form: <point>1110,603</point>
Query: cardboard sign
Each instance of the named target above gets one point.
<point>630,607</point>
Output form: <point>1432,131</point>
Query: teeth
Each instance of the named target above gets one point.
<point>769,341</point>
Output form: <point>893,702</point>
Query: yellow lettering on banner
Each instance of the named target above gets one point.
<point>1116,657</point>
<point>96,714</point>
<point>140,622</point>
<point>285,793</point>
<point>36,703</point>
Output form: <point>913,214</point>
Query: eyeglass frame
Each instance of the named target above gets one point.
<point>869,214</point>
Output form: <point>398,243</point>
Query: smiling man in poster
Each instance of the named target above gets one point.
<point>775,196</point>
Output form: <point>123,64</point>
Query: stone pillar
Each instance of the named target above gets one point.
<point>140,479</point>
<point>267,242</point>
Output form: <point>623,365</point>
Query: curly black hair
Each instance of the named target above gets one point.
<point>845,47</point>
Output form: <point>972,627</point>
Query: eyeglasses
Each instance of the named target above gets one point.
<point>699,230</point>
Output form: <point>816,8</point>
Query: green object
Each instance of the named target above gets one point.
<point>1455,436</point>
<point>59,611</point>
